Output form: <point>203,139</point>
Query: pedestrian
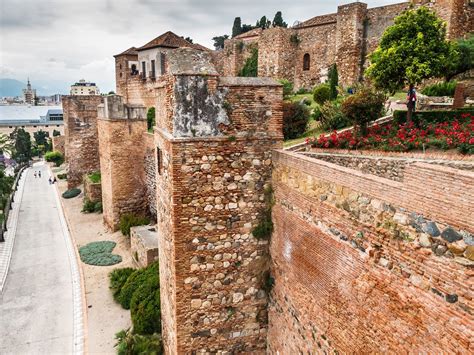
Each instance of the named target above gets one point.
<point>35,174</point>
<point>39,174</point>
<point>49,180</point>
<point>411,101</point>
<point>54,180</point>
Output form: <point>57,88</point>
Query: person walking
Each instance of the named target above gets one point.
<point>39,174</point>
<point>35,174</point>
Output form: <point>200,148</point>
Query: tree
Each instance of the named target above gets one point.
<point>333,79</point>
<point>111,93</point>
<point>150,119</point>
<point>246,28</point>
<point>278,20</point>
<point>465,60</point>
<point>5,144</point>
<point>41,137</point>
<point>237,27</point>
<point>189,39</point>
<point>250,68</point>
<point>22,146</point>
<point>263,23</point>
<point>219,41</point>
<point>413,49</point>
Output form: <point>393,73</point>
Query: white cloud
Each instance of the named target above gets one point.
<point>82,36</point>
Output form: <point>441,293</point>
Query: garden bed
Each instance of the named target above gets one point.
<point>455,134</point>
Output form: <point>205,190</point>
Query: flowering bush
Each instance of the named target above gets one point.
<point>456,134</point>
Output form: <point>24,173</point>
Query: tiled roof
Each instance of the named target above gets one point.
<point>169,40</point>
<point>318,20</point>
<point>130,51</point>
<point>251,33</point>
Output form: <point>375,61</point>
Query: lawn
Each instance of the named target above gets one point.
<point>299,97</point>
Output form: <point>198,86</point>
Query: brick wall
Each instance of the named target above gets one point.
<point>81,142</point>
<point>359,262</point>
<point>122,159</point>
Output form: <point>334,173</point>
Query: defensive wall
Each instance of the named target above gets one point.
<point>368,253</point>
<point>304,52</point>
<point>371,254</point>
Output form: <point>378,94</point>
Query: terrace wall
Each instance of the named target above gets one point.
<point>364,263</point>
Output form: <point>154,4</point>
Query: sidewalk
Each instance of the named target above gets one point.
<point>105,317</point>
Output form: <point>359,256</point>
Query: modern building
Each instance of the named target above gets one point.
<point>29,94</point>
<point>53,120</point>
<point>82,88</point>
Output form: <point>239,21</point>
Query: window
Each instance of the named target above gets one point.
<point>143,70</point>
<point>120,74</point>
<point>162,63</point>
<point>159,158</point>
<point>120,66</point>
<point>152,69</point>
<point>134,69</point>
<point>306,60</point>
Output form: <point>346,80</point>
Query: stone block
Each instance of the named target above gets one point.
<point>144,245</point>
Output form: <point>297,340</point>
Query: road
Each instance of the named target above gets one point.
<point>37,304</point>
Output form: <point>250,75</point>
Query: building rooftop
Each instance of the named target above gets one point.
<point>130,51</point>
<point>169,40</point>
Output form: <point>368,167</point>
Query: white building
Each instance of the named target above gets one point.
<point>84,88</point>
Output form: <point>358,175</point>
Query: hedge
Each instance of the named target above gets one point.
<point>71,193</point>
<point>436,116</point>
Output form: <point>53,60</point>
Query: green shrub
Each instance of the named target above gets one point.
<point>331,116</point>
<point>99,253</point>
<point>118,278</point>
<point>136,344</point>
<point>322,93</point>
<point>287,87</point>
<point>427,117</point>
<point>91,206</point>
<point>250,68</point>
<point>129,220</point>
<point>71,193</point>
<point>134,281</point>
<point>150,119</point>
<point>62,176</point>
<point>295,119</point>
<point>145,306</point>
<point>446,88</point>
<point>55,157</point>
<point>365,106</point>
<point>264,229</point>
<point>95,177</point>
<point>301,91</point>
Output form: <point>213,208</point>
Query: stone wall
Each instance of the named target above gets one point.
<point>81,142</point>
<point>210,195</point>
<point>144,245</point>
<point>150,173</point>
<point>122,159</point>
<point>345,38</point>
<point>92,191</point>
<point>392,168</point>
<point>59,144</point>
<point>366,264</point>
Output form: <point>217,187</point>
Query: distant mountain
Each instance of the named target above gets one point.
<point>11,87</point>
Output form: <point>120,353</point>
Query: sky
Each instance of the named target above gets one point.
<point>57,42</point>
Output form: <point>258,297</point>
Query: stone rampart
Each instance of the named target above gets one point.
<point>81,142</point>
<point>122,157</point>
<point>150,173</point>
<point>368,264</point>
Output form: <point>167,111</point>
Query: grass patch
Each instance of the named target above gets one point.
<point>99,253</point>
<point>129,220</point>
<point>71,193</point>
<point>401,95</point>
<point>92,206</point>
<point>62,176</point>
<point>299,97</point>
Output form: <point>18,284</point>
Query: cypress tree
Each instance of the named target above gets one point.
<point>278,20</point>
<point>237,27</point>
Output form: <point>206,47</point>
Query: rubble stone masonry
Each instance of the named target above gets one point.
<point>81,142</point>
<point>213,164</point>
<point>367,264</point>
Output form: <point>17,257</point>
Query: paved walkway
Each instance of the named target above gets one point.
<point>40,308</point>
